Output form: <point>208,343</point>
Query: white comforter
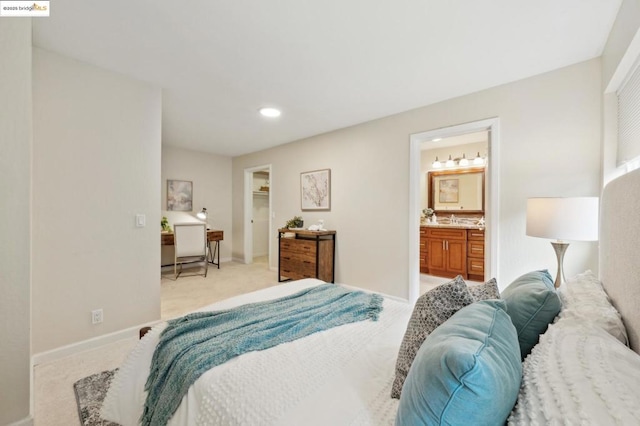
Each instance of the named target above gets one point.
<point>340,376</point>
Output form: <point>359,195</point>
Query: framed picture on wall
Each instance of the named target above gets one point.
<point>315,190</point>
<point>179,195</point>
<point>449,191</point>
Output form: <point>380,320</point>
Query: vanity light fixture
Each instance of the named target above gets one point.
<point>436,164</point>
<point>478,161</point>
<point>270,112</point>
<point>463,161</point>
<point>450,162</point>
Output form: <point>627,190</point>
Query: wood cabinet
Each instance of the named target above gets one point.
<point>475,254</point>
<point>453,251</point>
<point>447,249</point>
<point>306,254</point>
<point>424,252</point>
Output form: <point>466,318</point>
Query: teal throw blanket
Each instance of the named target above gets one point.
<point>195,343</point>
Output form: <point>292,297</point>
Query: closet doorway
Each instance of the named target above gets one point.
<point>258,215</point>
<point>460,146</point>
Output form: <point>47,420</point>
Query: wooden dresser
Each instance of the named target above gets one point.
<point>306,254</point>
<point>452,251</point>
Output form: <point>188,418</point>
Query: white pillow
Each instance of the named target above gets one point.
<point>578,374</point>
<point>584,298</point>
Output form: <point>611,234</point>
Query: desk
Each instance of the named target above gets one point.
<point>213,235</point>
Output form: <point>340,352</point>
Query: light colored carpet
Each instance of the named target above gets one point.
<point>55,403</point>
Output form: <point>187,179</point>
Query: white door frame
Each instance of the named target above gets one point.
<point>248,210</point>
<point>493,194</point>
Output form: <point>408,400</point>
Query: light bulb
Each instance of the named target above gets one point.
<point>436,164</point>
<point>478,160</point>
<point>464,161</point>
<point>449,162</point>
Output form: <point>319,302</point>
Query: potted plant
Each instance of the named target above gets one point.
<point>427,214</point>
<point>164,223</point>
<point>296,222</point>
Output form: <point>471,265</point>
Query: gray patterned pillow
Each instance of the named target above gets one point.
<point>488,290</point>
<point>431,309</point>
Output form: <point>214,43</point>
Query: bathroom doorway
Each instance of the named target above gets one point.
<point>464,144</point>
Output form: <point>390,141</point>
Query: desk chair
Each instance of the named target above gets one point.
<point>190,240</point>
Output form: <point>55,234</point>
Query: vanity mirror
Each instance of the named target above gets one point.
<point>456,190</point>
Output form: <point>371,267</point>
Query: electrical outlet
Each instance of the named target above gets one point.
<point>96,316</point>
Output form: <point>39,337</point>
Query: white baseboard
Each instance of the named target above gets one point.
<point>85,345</point>
<point>27,421</point>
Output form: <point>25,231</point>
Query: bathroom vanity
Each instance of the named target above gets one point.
<point>448,251</point>
<point>455,244</point>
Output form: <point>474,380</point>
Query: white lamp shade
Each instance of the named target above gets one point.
<point>202,214</point>
<point>573,218</point>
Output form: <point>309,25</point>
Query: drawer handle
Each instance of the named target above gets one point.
<point>476,267</point>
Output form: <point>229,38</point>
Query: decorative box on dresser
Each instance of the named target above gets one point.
<point>306,254</point>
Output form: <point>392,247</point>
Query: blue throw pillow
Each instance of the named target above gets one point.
<point>532,304</point>
<point>467,372</point>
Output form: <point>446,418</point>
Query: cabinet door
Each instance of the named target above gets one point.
<point>436,257</point>
<point>456,255</point>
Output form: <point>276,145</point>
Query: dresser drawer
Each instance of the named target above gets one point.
<point>306,269</point>
<point>475,234</point>
<point>447,233</point>
<point>297,256</point>
<point>298,246</point>
<point>475,266</point>
<point>475,249</point>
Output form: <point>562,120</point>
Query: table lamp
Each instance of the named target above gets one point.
<point>203,215</point>
<point>572,218</point>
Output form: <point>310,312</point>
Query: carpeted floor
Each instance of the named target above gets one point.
<point>55,402</point>
<point>90,393</point>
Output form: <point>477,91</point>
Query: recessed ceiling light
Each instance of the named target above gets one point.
<point>270,112</point>
<point>436,139</point>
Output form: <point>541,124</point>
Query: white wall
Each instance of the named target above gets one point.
<point>210,175</point>
<point>620,55</point>
<point>96,164</point>
<point>15,218</point>
<point>550,146</point>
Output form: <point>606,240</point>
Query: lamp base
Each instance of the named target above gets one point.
<point>560,247</point>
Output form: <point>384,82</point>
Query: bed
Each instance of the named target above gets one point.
<point>580,371</point>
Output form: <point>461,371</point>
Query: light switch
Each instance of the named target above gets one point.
<point>141,221</point>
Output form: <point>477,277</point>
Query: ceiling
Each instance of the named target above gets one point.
<point>327,64</point>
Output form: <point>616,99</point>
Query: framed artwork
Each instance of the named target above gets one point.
<point>449,190</point>
<point>315,190</point>
<point>179,195</point>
